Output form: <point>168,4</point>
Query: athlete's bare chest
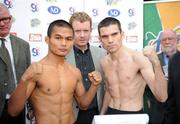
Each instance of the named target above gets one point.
<point>54,80</point>
<point>121,72</point>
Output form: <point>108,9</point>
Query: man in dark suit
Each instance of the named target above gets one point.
<point>18,57</point>
<point>87,58</point>
<point>174,90</point>
<point>159,112</point>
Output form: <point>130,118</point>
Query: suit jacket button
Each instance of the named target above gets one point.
<point>77,106</point>
<point>5,84</point>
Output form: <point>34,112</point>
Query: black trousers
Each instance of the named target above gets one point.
<point>7,119</point>
<point>86,116</point>
<point>115,111</point>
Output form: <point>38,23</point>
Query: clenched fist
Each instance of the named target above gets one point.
<point>95,78</point>
<point>149,51</point>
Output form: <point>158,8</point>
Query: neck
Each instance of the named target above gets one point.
<point>82,48</point>
<point>170,53</point>
<point>119,53</point>
<point>55,59</point>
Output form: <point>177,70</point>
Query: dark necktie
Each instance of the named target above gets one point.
<point>6,56</point>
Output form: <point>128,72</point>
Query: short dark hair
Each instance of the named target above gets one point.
<point>58,23</point>
<point>109,21</point>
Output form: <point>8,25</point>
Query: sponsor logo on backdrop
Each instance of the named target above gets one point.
<point>131,25</point>
<point>132,39</point>
<point>95,12</point>
<point>131,12</point>
<point>112,2</point>
<point>35,51</point>
<point>113,12</point>
<point>35,37</point>
<point>34,7</point>
<point>35,22</point>
<point>71,10</point>
<point>51,1</point>
<point>54,10</point>
<point>8,3</point>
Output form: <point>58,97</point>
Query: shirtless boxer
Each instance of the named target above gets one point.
<point>127,71</point>
<point>51,83</point>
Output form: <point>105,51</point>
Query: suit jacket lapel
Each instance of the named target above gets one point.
<point>161,58</point>
<point>2,56</point>
<point>15,50</point>
<point>95,57</point>
<point>70,58</point>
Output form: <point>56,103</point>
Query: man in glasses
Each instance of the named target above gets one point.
<point>14,59</point>
<point>160,112</point>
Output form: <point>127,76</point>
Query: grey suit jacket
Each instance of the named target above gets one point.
<point>22,59</point>
<point>97,53</point>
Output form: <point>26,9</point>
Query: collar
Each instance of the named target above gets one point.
<point>7,39</point>
<point>78,50</point>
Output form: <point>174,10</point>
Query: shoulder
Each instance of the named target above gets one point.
<point>105,60</point>
<point>97,49</point>
<point>33,71</point>
<point>20,40</point>
<point>177,54</point>
<point>73,69</point>
<point>137,53</point>
<point>176,57</point>
<point>36,66</point>
<point>139,58</point>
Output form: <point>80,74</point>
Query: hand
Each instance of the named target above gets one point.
<point>95,78</point>
<point>149,51</point>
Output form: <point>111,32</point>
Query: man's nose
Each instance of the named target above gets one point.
<point>63,41</point>
<point>1,23</point>
<point>110,39</point>
<point>82,33</point>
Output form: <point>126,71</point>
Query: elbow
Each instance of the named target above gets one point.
<point>84,106</point>
<point>163,99</point>
<point>12,112</point>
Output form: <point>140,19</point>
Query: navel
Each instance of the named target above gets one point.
<point>48,89</point>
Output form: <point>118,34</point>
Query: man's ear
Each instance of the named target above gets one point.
<point>47,39</point>
<point>122,35</point>
<point>99,39</point>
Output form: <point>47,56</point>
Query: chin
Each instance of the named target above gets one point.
<point>62,54</point>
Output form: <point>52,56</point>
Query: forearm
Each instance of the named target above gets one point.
<point>105,103</point>
<point>87,98</point>
<point>17,100</point>
<point>160,83</point>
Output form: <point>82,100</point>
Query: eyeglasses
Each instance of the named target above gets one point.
<point>168,38</point>
<point>5,19</point>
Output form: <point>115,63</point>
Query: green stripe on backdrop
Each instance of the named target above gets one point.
<point>152,22</point>
<point>152,26</point>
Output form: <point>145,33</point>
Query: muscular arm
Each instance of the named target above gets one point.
<point>153,74</point>
<point>84,98</point>
<point>105,103</point>
<point>23,91</point>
